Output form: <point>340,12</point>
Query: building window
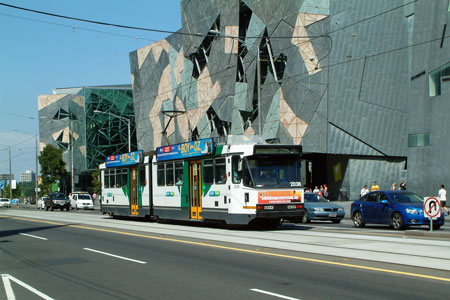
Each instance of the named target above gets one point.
<point>436,77</point>
<point>418,140</point>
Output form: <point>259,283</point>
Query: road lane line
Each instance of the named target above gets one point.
<point>273,294</point>
<point>116,256</point>
<point>348,265</point>
<point>34,236</point>
<point>8,277</point>
<point>8,289</point>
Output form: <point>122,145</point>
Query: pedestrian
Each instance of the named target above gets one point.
<point>375,187</point>
<point>443,198</point>
<point>316,190</point>
<point>394,186</point>
<point>321,190</point>
<point>325,191</point>
<point>364,191</point>
<point>402,185</point>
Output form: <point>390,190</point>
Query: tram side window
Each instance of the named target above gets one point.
<point>208,174</point>
<point>112,178</point>
<point>124,177</point>
<point>169,173</point>
<point>236,174</point>
<point>142,179</point>
<point>160,175</point>
<point>118,178</point>
<point>106,179</point>
<point>220,171</point>
<point>179,173</point>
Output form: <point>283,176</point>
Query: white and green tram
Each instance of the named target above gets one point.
<point>237,183</point>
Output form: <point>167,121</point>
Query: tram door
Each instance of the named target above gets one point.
<point>195,194</point>
<point>134,207</point>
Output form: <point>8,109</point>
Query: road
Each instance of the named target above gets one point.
<point>68,255</point>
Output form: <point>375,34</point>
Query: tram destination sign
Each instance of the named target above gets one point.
<point>185,150</point>
<point>125,159</point>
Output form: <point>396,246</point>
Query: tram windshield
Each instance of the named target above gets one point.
<point>267,171</point>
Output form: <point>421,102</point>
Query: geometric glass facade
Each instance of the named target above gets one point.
<point>70,120</point>
<point>334,78</point>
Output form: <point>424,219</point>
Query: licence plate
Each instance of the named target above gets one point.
<point>333,215</point>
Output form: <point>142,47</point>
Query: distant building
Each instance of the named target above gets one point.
<point>93,119</point>
<point>27,176</point>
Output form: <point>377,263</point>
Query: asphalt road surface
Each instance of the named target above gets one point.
<point>75,261</point>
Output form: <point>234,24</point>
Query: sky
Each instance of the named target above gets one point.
<point>39,53</point>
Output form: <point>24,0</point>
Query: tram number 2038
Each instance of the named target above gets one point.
<point>295,183</point>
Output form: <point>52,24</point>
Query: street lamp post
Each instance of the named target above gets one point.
<point>122,118</point>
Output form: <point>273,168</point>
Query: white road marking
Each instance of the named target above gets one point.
<point>34,236</point>
<point>10,293</point>
<point>116,256</point>
<point>273,294</point>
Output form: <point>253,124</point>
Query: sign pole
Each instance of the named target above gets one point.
<point>431,224</point>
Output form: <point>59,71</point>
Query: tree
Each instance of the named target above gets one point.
<point>96,183</point>
<point>53,167</point>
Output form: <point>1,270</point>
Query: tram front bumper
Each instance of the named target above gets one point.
<point>280,210</point>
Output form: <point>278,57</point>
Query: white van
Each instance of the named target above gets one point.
<point>81,200</point>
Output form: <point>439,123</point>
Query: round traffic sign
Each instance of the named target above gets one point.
<point>432,207</point>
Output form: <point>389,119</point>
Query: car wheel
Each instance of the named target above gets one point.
<point>358,220</point>
<point>62,208</point>
<point>336,221</point>
<point>305,218</point>
<point>77,207</point>
<point>397,221</point>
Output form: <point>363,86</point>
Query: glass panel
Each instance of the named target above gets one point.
<point>118,178</point>
<point>124,177</point>
<point>220,171</point>
<point>112,178</point>
<point>236,174</point>
<point>273,171</point>
<point>179,173</point>
<point>169,173</point>
<point>208,174</point>
<point>160,175</point>
<point>142,179</point>
<point>106,179</point>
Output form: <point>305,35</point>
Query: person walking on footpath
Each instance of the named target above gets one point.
<point>364,191</point>
<point>375,187</point>
<point>443,198</point>
<point>402,186</point>
<point>394,186</point>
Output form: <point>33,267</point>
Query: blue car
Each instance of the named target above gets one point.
<point>319,208</point>
<point>399,209</point>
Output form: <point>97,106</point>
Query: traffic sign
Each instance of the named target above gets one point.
<point>432,208</point>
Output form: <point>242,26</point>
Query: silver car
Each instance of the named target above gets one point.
<point>319,208</point>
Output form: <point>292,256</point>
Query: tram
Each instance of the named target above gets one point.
<point>238,182</point>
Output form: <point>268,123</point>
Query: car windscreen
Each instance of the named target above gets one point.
<point>4,200</point>
<point>58,197</point>
<point>272,171</point>
<point>405,198</point>
<point>86,197</point>
<point>314,198</point>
